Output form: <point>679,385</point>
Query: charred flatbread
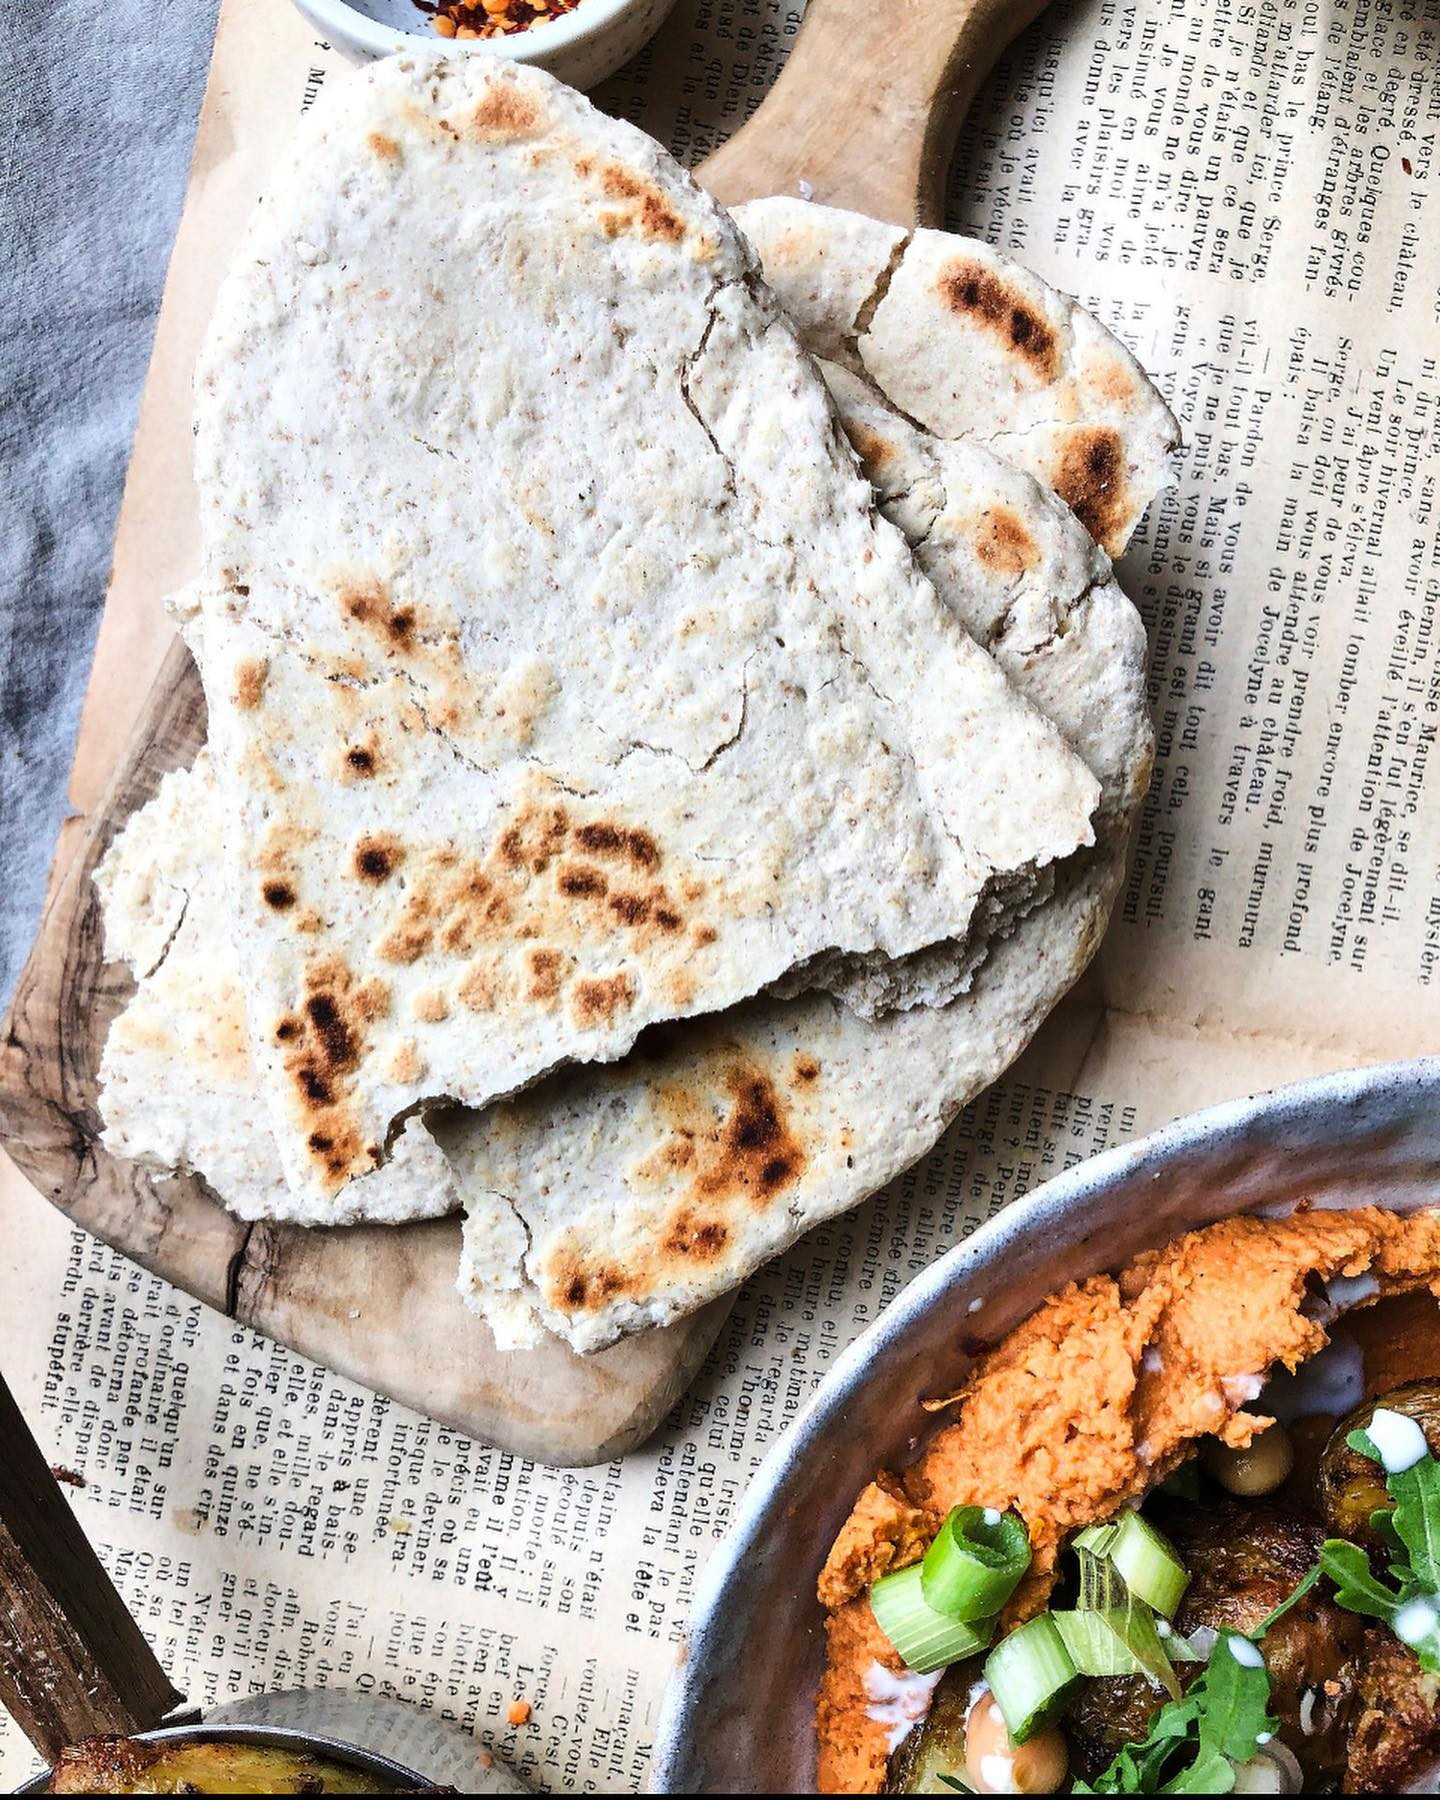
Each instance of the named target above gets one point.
<point>178,1087</point>
<point>967,343</point>
<point>613,1199</point>
<point>562,678</point>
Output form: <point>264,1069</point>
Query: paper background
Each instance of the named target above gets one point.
<point>1241,191</point>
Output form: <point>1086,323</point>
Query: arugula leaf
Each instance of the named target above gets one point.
<point>1210,1773</point>
<point>1416,1518</point>
<point>1280,1611</point>
<point>1412,1531</point>
<point>1236,1709</point>
<point>1194,1744</point>
<point>1382,1523</point>
<point>1356,1587</point>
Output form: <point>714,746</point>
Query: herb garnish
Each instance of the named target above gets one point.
<point>1412,1529</point>
<point>1195,1744</point>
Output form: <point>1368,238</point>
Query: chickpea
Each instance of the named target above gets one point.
<point>996,1766</point>
<point>1260,1469</point>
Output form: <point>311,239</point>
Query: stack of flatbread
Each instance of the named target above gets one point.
<point>673,728</point>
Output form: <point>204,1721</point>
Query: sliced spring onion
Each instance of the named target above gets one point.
<point>1100,1585</point>
<point>1121,1641</point>
<point>1031,1675</point>
<point>1146,1561</point>
<point>975,1563</point>
<point>924,1639</point>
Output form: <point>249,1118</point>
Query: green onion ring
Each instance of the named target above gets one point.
<point>975,1563</point>
<point>924,1639</point>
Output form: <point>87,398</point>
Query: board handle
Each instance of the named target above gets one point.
<point>73,1663</point>
<point>866,110</point>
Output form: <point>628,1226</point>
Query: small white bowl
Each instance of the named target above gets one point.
<point>581,47</point>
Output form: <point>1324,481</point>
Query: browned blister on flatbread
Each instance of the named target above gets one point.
<point>968,344</point>
<point>622,1197</point>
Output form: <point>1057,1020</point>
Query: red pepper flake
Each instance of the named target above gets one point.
<point>68,1476</point>
<point>491,18</point>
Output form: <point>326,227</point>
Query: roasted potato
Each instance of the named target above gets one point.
<point>1244,1559</point>
<point>1394,1721</point>
<point>1351,1486</point>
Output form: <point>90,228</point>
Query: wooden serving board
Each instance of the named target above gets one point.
<point>864,114</point>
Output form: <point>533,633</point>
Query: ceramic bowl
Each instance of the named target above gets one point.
<point>406,1748</point>
<point>738,1714</point>
<point>581,47</point>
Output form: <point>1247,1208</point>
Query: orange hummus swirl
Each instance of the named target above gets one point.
<point>1085,1406</point>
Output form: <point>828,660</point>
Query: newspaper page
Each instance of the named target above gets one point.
<point>1241,190</point>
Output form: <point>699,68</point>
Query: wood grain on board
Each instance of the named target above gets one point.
<point>865,113</point>
<point>73,1662</point>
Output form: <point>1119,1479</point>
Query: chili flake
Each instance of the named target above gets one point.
<point>491,18</point>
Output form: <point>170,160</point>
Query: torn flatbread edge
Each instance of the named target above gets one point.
<point>177,1087</point>
<point>963,341</point>
<point>611,1203</point>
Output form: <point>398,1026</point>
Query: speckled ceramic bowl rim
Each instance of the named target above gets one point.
<point>590,19</point>
<point>714,1620</point>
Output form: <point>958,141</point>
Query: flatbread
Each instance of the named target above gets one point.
<point>562,679</point>
<point>1068,652</point>
<point>178,1087</point>
<point>610,1200</point>
<point>967,343</point>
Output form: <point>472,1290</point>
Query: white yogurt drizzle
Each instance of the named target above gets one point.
<point>1416,1621</point>
<point>1399,1440</point>
<point>898,1702</point>
<point>1238,1389</point>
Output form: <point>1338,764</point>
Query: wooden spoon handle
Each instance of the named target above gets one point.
<point>866,109</point>
<point>73,1663</point>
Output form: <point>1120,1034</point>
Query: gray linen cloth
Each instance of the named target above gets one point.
<point>98,106</point>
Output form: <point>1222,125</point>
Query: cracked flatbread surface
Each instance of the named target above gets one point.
<point>967,343</point>
<point>562,678</point>
<point>178,1086</point>
<point>614,1199</point>
<point>609,1200</point>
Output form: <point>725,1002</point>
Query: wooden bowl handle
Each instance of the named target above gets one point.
<point>866,110</point>
<point>73,1663</point>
